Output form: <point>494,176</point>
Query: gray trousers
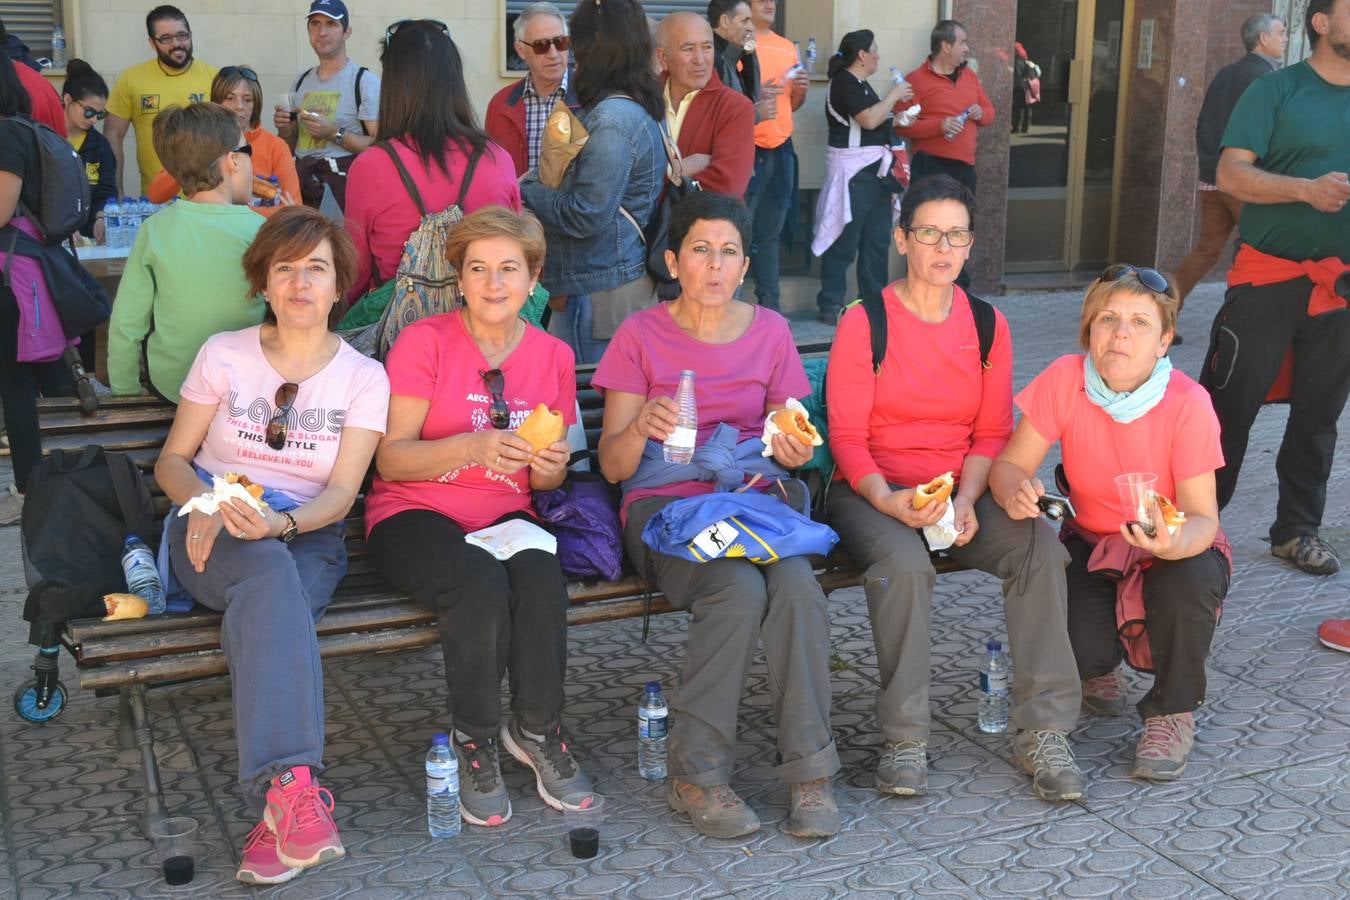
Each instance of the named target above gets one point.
<point>271,594</point>
<point>898,581</point>
<point>735,605</point>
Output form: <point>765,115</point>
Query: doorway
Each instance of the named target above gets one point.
<point>1062,154</point>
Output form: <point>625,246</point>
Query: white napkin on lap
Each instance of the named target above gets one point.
<point>506,539</point>
<point>222,491</point>
<point>942,534</point>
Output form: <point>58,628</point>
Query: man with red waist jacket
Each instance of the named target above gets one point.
<point>1286,152</point>
<point>516,114</point>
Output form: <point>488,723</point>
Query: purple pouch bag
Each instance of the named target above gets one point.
<point>582,517</point>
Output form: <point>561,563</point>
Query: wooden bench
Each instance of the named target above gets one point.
<point>366,615</point>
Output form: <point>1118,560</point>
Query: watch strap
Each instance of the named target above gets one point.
<point>290,531</point>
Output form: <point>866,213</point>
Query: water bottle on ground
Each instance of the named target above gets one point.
<point>811,54</point>
<point>653,716</point>
<point>994,678</point>
<point>442,788</point>
<point>138,564</point>
<point>58,48</point>
<point>679,445</point>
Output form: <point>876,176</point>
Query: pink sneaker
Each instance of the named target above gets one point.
<point>260,864</point>
<point>1163,748</point>
<point>299,812</point>
<point>1335,633</point>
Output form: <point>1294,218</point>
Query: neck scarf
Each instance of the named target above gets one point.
<point>1126,406</point>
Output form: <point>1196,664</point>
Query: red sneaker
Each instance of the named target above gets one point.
<point>299,812</point>
<point>1335,633</point>
<point>260,864</point>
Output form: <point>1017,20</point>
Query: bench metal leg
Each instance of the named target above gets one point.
<point>133,698</point>
<point>126,730</point>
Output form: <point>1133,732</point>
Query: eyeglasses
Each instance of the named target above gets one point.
<point>540,47</point>
<point>956,237</point>
<point>499,414</point>
<point>1150,278</point>
<point>276,426</point>
<point>404,23</point>
<point>164,40</point>
<point>242,71</point>
<point>91,113</point>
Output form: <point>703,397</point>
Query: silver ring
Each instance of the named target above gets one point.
<point>499,460</point>
<point>241,535</point>
<point>195,536</point>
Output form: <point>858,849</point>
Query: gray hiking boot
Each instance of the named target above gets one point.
<point>715,811</point>
<point>1163,747</point>
<point>1046,757</point>
<point>902,768</point>
<point>556,773</point>
<point>1309,553</point>
<point>1105,695</point>
<point>812,812</point>
<point>482,793</point>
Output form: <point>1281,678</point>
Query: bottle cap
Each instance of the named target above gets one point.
<point>686,373</point>
<point>993,645</point>
<point>439,738</point>
<point>653,687</point>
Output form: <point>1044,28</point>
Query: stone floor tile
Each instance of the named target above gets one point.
<point>908,875</point>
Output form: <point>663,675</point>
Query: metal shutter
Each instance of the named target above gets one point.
<point>32,21</point>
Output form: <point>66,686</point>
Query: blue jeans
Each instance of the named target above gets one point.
<point>573,325</point>
<point>768,198</point>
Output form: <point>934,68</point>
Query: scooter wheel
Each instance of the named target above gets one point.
<point>26,702</point>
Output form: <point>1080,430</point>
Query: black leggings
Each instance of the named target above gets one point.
<point>20,385</point>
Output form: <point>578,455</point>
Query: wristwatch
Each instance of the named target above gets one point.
<point>290,531</point>
<point>340,136</point>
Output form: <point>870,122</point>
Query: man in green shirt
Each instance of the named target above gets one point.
<point>184,280</point>
<point>1286,152</point>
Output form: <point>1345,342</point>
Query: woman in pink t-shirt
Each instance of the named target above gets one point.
<point>291,406</point>
<point>1122,409</point>
<point>746,366</point>
<point>451,464</point>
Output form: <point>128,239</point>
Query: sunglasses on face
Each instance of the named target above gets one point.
<point>404,23</point>
<point>246,149</point>
<point>1150,278</point>
<point>540,47</point>
<point>164,40</point>
<point>956,237</point>
<point>276,426</point>
<point>242,71</point>
<point>91,113</point>
<point>499,414</point>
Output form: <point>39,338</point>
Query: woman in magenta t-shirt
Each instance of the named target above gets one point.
<point>291,406</point>
<point>451,464</point>
<point>746,366</point>
<point>1119,409</point>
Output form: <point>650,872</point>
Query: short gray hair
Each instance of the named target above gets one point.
<point>1257,25</point>
<point>542,8</point>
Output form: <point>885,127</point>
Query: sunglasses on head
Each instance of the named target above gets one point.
<point>242,71</point>
<point>276,426</point>
<point>540,47</point>
<point>404,23</point>
<point>1150,278</point>
<point>91,113</point>
<point>499,414</point>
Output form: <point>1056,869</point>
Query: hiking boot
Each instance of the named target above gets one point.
<point>11,506</point>
<point>715,811</point>
<point>260,864</point>
<point>1310,553</point>
<point>1046,757</point>
<point>1335,633</point>
<point>300,814</point>
<point>482,793</point>
<point>902,768</point>
<point>1105,695</point>
<point>1163,748</point>
<point>556,773</point>
<point>812,812</point>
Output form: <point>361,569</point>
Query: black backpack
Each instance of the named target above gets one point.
<point>875,307</point>
<point>80,507</point>
<point>63,204</point>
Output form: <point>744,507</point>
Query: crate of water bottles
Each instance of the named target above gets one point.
<point>123,218</point>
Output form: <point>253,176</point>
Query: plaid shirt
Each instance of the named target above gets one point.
<point>536,114</point>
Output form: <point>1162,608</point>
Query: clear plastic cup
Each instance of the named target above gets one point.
<point>175,841</point>
<point>1135,490</point>
<point>291,103</point>
<point>584,814</point>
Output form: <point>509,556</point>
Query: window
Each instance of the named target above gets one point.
<point>656,8</point>
<point>32,21</point>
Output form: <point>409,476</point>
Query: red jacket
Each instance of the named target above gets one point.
<point>47,107</point>
<point>721,123</point>
<point>942,99</point>
<point>505,122</point>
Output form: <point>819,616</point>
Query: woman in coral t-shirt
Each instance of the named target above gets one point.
<point>1119,409</point>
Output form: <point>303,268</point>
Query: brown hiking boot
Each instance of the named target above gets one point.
<point>1163,748</point>
<point>1310,553</point>
<point>812,812</point>
<point>1105,695</point>
<point>715,811</point>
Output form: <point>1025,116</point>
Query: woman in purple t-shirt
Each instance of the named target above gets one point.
<point>747,366</point>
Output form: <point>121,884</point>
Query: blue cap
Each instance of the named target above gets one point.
<point>440,737</point>
<point>653,687</point>
<point>993,645</point>
<point>333,9</point>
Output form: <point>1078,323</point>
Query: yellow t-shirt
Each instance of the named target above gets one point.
<point>145,89</point>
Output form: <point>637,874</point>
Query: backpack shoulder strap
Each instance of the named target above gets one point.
<point>301,80</point>
<point>360,73</point>
<point>408,184</point>
<point>467,179</point>
<point>985,324</point>
<point>124,477</point>
<point>875,307</point>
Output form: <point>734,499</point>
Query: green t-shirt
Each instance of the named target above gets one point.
<point>1299,125</point>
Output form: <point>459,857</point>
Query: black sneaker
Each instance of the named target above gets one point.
<point>556,773</point>
<point>482,793</point>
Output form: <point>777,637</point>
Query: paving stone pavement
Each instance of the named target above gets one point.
<point>1263,811</point>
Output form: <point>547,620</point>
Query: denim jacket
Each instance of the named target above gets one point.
<point>591,245</point>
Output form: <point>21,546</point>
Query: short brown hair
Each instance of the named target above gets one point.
<point>190,140</point>
<point>222,84</point>
<point>1125,279</point>
<point>290,234</point>
<point>497,221</point>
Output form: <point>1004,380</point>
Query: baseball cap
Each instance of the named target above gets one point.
<point>333,9</point>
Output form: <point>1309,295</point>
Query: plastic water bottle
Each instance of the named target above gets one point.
<point>679,445</point>
<point>58,47</point>
<point>276,186</point>
<point>112,225</point>
<point>994,678</point>
<point>131,221</point>
<point>138,564</point>
<point>811,54</point>
<point>653,715</point>
<point>965,114</point>
<point>442,788</point>
<point>897,76</point>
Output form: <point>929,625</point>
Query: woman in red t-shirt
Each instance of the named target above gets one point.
<point>932,407</point>
<point>1122,409</point>
<point>451,464</point>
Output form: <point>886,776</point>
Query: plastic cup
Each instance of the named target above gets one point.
<point>583,814</point>
<point>1135,490</point>
<point>175,841</point>
<point>290,102</point>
